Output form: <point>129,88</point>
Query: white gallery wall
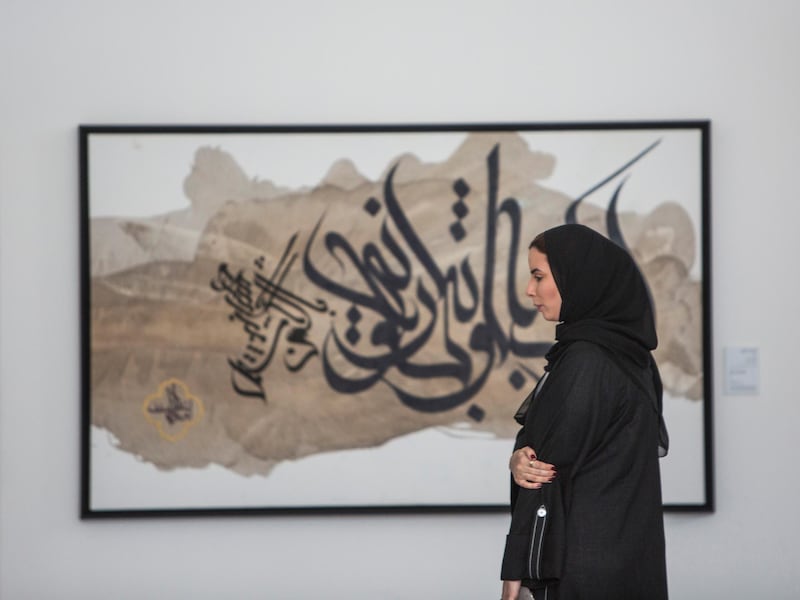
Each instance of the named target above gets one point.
<point>736,62</point>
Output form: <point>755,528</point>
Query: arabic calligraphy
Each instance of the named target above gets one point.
<point>446,295</point>
<point>267,313</point>
<point>400,300</point>
<point>612,223</point>
<point>173,410</point>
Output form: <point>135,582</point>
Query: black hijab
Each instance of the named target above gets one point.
<point>604,300</point>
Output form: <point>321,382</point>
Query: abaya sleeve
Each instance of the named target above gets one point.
<point>569,422</point>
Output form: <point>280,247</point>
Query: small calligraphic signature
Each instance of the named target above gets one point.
<point>173,410</point>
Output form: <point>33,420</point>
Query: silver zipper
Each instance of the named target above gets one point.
<point>541,517</point>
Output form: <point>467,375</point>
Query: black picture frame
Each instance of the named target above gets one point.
<point>174,412</point>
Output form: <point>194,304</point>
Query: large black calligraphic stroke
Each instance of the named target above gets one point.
<point>520,316</point>
<point>484,337</point>
<point>481,335</point>
<point>480,341</point>
<point>388,332</point>
<point>442,282</point>
<point>375,301</point>
<point>407,231</point>
<point>441,403</point>
<point>612,220</point>
<point>527,349</point>
<point>340,383</point>
<point>615,233</point>
<point>570,216</point>
<point>396,356</point>
<point>391,281</point>
<point>461,369</point>
<point>463,312</point>
<point>494,331</point>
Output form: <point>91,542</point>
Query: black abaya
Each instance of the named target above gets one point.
<point>596,532</point>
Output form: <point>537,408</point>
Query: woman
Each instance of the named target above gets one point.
<point>587,517</point>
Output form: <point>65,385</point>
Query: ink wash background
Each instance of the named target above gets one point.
<point>137,179</point>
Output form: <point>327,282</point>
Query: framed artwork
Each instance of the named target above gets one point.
<point>333,318</point>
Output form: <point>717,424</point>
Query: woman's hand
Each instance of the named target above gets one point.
<point>528,471</point>
<point>511,590</point>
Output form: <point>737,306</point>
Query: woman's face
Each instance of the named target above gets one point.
<point>542,288</point>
